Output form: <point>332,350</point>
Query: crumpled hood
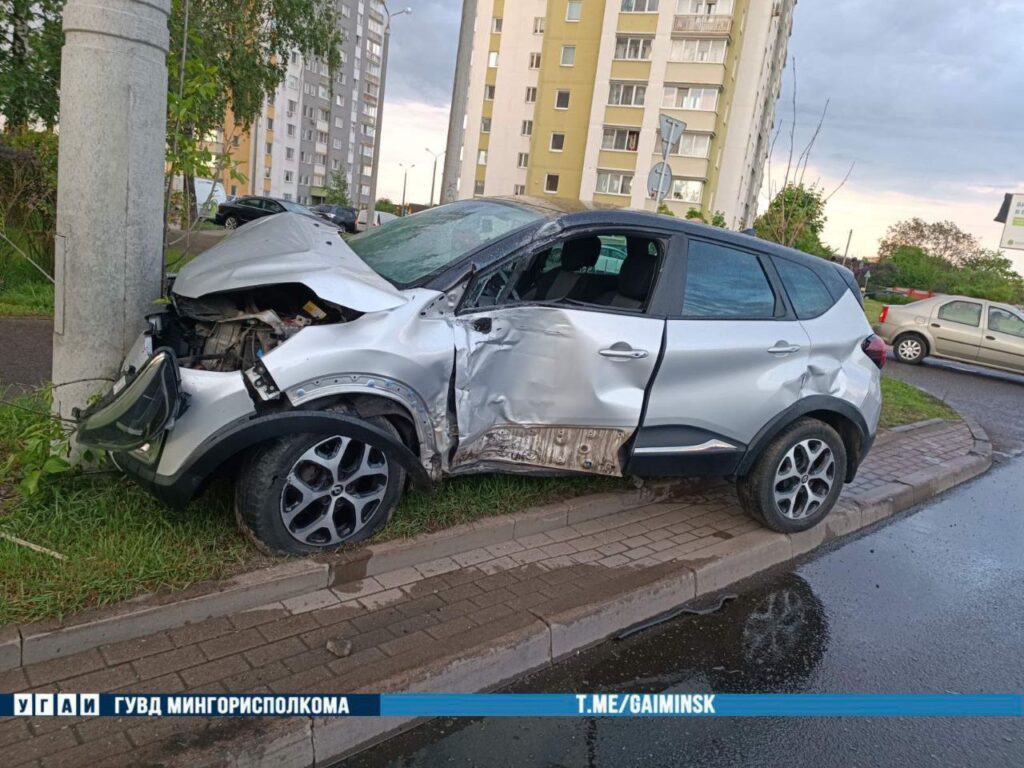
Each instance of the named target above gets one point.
<point>289,248</point>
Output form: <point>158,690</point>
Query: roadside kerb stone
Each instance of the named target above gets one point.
<point>10,648</point>
<point>136,618</point>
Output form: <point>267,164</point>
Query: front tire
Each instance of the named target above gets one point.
<point>303,494</point>
<point>910,349</point>
<point>797,479</point>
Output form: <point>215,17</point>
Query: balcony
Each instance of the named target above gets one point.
<point>702,24</point>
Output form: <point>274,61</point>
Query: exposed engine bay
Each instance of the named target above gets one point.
<point>232,331</point>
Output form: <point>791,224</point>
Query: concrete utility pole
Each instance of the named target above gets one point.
<point>433,177</point>
<point>109,244</point>
<point>460,100</point>
<point>371,220</point>
<point>405,183</point>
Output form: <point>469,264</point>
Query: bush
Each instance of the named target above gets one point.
<point>28,206</point>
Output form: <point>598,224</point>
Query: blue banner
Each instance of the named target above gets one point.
<point>512,705</point>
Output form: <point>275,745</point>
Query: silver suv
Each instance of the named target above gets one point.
<point>493,335</point>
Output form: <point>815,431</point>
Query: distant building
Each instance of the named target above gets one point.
<point>306,132</point>
<point>562,97</point>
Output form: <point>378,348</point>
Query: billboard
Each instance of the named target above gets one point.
<point>1012,216</point>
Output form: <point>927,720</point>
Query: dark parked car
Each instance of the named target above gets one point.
<point>245,209</point>
<point>340,215</point>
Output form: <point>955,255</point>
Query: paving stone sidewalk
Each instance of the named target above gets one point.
<point>409,628</point>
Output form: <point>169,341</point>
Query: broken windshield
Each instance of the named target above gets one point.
<point>412,247</point>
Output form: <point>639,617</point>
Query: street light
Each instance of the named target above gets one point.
<point>405,181</point>
<point>433,177</point>
<point>370,217</point>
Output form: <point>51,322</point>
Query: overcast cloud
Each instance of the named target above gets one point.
<point>927,99</point>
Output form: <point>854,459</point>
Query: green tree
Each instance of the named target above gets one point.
<point>336,191</point>
<point>796,218</point>
<point>988,275</point>
<point>229,59</point>
<point>913,267</point>
<point>385,205</point>
<point>30,41</point>
<point>942,239</point>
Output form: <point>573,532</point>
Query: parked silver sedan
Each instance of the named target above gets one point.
<point>958,328</point>
<point>491,336</point>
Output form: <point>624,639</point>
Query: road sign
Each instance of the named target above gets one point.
<point>659,182</point>
<point>671,132</point>
<point>1013,229</point>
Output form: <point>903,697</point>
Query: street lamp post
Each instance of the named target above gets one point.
<point>405,181</point>
<point>433,178</point>
<point>370,218</point>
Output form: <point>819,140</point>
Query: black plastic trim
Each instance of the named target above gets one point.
<point>180,488</point>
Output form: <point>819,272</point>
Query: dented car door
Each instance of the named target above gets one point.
<point>550,388</point>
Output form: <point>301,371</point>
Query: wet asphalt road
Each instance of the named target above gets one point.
<point>995,398</point>
<point>929,603</point>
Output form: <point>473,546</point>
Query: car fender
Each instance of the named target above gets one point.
<point>243,434</point>
<point>799,409</point>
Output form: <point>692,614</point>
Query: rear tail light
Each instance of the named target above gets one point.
<point>884,314</point>
<point>875,348</point>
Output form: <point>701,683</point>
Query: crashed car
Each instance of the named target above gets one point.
<point>493,335</point>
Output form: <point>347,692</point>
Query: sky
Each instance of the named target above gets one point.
<point>926,100</point>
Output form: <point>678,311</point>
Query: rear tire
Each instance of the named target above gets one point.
<point>303,494</point>
<point>231,223</point>
<point>797,479</point>
<point>910,348</point>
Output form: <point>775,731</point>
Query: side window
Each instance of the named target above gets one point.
<point>962,312</point>
<point>247,201</point>
<point>1001,321</point>
<point>607,270</point>
<point>808,293</point>
<point>722,282</point>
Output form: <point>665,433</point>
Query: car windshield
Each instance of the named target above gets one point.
<point>293,207</point>
<point>409,248</point>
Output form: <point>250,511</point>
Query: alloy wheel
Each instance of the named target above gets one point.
<point>804,478</point>
<point>333,491</point>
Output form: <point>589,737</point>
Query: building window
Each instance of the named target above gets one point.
<point>692,145</point>
<point>518,189</point>
<point>488,93</point>
<point>568,55</point>
<point>687,190</point>
<point>557,142</point>
<point>289,176</point>
<point>485,125</point>
<point>633,48</point>
<point>482,157</point>
<point>683,97</point>
<point>705,51</point>
<point>623,139</point>
<point>627,94</point>
<point>523,160</point>
<point>270,123</point>
<point>478,187</point>
<point>573,10</point>
<point>492,59</point>
<point>538,25</point>
<point>531,94</point>
<point>289,153</point>
<point>639,6</point>
<point>704,7</point>
<point>614,183</point>
<point>561,99</point>
<point>534,61</point>
<point>551,183</point>
<point>496,25</point>
<point>527,129</point>
<point>270,147</point>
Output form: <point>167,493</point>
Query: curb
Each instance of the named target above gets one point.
<point>559,632</point>
<point>147,614</point>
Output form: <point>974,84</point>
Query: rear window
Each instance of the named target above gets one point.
<point>722,282</point>
<point>806,291</point>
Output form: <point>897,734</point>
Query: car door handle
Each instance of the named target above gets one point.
<point>936,325</point>
<point>624,354</point>
<point>782,348</point>
<point>991,338</point>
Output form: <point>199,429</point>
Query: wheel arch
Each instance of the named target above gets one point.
<point>837,413</point>
<point>928,345</point>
